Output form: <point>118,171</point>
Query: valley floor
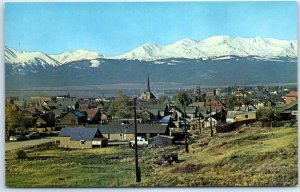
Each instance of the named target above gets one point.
<point>246,157</point>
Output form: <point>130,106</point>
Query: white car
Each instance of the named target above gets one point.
<point>140,142</point>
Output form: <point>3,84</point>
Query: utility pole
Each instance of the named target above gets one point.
<point>211,129</point>
<point>185,131</point>
<point>199,124</point>
<point>137,169</point>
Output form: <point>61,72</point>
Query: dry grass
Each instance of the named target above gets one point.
<point>245,157</point>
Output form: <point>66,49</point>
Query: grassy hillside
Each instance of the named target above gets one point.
<point>246,157</point>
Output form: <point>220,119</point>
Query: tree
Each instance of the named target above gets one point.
<point>277,115</point>
<point>120,107</point>
<point>14,119</point>
<point>265,114</point>
<point>182,98</point>
<point>231,102</point>
<point>162,98</point>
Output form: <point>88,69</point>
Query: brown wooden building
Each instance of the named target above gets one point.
<point>72,119</point>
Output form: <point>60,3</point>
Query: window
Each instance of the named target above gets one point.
<point>246,116</point>
<point>122,136</point>
<point>82,142</point>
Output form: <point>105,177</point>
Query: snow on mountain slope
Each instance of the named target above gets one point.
<point>33,62</point>
<point>213,47</point>
<point>216,47</point>
<point>77,55</point>
<point>95,63</point>
<point>23,59</point>
<point>144,52</point>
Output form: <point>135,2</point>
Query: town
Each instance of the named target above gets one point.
<point>221,109</point>
<point>150,94</point>
<point>145,122</point>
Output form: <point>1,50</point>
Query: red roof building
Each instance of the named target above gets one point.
<point>290,97</point>
<point>93,115</point>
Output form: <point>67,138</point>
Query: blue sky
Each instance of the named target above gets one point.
<point>115,28</point>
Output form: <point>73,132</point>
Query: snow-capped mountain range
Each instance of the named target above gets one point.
<point>210,48</point>
<point>22,58</point>
<point>215,47</point>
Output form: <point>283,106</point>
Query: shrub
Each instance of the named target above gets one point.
<point>21,154</point>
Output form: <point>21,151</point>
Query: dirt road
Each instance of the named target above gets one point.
<point>25,144</point>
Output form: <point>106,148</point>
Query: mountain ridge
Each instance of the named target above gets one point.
<point>208,48</point>
<point>215,46</point>
<point>212,61</point>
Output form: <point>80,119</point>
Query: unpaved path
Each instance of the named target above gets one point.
<point>29,143</point>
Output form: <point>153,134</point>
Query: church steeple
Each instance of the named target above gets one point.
<point>148,88</point>
<point>147,95</point>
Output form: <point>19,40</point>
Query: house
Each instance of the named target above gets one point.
<point>45,106</point>
<point>237,116</point>
<point>288,112</point>
<point>161,141</point>
<point>146,116</point>
<point>40,122</point>
<point>158,110</point>
<point>290,97</point>
<point>124,121</point>
<point>58,113</point>
<point>95,105</point>
<point>34,111</point>
<point>214,105</point>
<point>41,129</point>
<point>65,104</point>
<point>93,116</point>
<point>83,105</point>
<point>176,113</point>
<point>89,104</point>
<point>230,117</point>
<point>81,138</point>
<point>150,130</point>
<point>126,132</point>
<point>20,103</point>
<point>104,118</point>
<point>246,116</point>
<point>35,101</point>
<point>45,120</point>
<point>191,112</point>
<point>72,118</point>
<point>117,132</point>
<point>165,120</point>
<point>204,123</point>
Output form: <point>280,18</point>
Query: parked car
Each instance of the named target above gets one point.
<point>33,135</point>
<point>140,142</point>
<point>17,138</point>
